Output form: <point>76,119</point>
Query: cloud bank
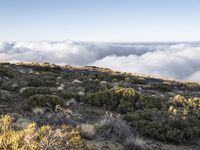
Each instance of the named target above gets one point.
<point>174,60</point>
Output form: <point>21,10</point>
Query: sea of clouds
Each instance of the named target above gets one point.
<point>174,60</point>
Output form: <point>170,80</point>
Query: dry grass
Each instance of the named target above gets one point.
<point>88,130</point>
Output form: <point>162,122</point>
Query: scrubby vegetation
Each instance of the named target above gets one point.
<point>27,92</point>
<point>44,101</point>
<point>191,86</point>
<point>67,95</point>
<point>163,87</point>
<point>120,99</point>
<point>5,72</point>
<point>33,137</point>
<point>176,123</point>
<point>41,81</point>
<point>172,120</point>
<point>163,110</point>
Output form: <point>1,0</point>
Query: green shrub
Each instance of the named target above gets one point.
<point>119,99</point>
<point>162,87</point>
<point>104,77</point>
<point>124,106</point>
<point>151,102</point>
<point>93,86</point>
<point>138,80</point>
<point>67,95</point>
<point>176,124</point>
<point>118,77</point>
<point>49,74</point>
<point>36,81</point>
<point>35,90</point>
<point>46,67</point>
<point>10,85</point>
<point>6,72</point>
<point>44,101</point>
<point>191,86</point>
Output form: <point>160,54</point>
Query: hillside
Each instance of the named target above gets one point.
<point>95,108</point>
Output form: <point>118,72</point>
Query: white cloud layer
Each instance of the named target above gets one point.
<point>175,60</point>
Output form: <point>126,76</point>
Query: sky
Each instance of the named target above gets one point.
<point>100,20</point>
<point>105,33</point>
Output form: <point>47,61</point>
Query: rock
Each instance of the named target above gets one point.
<point>103,82</point>
<point>15,85</point>
<point>59,78</point>
<point>22,71</point>
<point>22,89</point>
<point>77,81</point>
<point>61,87</point>
<point>81,93</point>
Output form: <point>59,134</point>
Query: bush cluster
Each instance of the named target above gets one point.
<point>6,72</point>
<point>68,94</point>
<point>40,81</point>
<point>45,67</point>
<point>174,120</point>
<point>178,122</point>
<point>120,99</point>
<point>185,107</point>
<point>12,85</point>
<point>33,137</point>
<point>30,91</point>
<point>151,102</point>
<point>138,80</point>
<point>44,101</point>
<point>92,86</point>
<point>162,87</point>
<point>192,86</point>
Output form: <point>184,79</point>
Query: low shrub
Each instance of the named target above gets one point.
<point>35,90</point>
<point>191,86</point>
<point>151,102</point>
<point>12,85</point>
<point>104,77</point>
<point>177,123</point>
<point>46,67</point>
<point>138,80</point>
<point>180,105</point>
<point>34,137</point>
<point>44,101</point>
<point>6,72</point>
<point>119,99</point>
<point>49,74</point>
<point>118,77</point>
<point>39,81</point>
<point>162,87</point>
<point>68,94</point>
<point>93,86</point>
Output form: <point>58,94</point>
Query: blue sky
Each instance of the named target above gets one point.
<point>100,20</point>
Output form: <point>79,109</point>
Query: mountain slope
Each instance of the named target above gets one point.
<point>112,110</point>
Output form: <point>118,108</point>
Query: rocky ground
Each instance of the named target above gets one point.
<point>112,110</point>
